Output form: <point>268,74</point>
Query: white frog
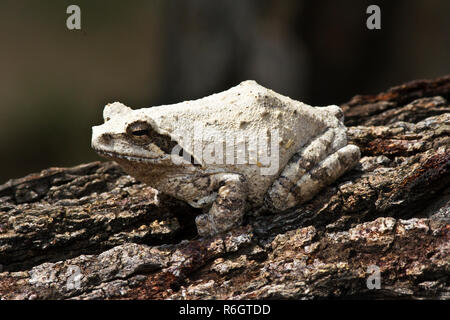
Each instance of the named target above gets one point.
<point>247,148</point>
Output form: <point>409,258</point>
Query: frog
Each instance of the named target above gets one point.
<point>242,150</point>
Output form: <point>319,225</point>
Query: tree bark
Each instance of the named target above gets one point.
<point>93,232</point>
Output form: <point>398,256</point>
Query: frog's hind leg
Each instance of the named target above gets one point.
<point>316,165</point>
<point>325,173</point>
<point>228,208</point>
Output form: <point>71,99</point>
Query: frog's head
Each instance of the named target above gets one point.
<point>131,136</point>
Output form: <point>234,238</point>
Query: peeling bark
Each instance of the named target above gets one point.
<point>92,232</point>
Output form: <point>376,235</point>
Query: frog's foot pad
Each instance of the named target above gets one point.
<point>323,174</point>
<point>228,208</point>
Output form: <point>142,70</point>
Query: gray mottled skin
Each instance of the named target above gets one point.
<point>312,143</point>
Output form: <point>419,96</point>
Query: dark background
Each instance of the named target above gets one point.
<point>54,82</point>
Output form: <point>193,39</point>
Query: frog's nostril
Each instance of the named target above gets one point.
<point>106,138</point>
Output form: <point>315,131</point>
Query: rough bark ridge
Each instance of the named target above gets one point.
<point>93,232</point>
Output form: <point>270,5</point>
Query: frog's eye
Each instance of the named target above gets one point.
<point>139,129</point>
<point>142,133</point>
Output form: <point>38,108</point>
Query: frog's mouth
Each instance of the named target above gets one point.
<point>113,155</point>
<point>132,158</point>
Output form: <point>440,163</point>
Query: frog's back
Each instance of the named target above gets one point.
<point>247,111</point>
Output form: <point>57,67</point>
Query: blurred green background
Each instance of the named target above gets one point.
<point>54,82</point>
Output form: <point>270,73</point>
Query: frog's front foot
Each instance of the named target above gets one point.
<point>228,208</point>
